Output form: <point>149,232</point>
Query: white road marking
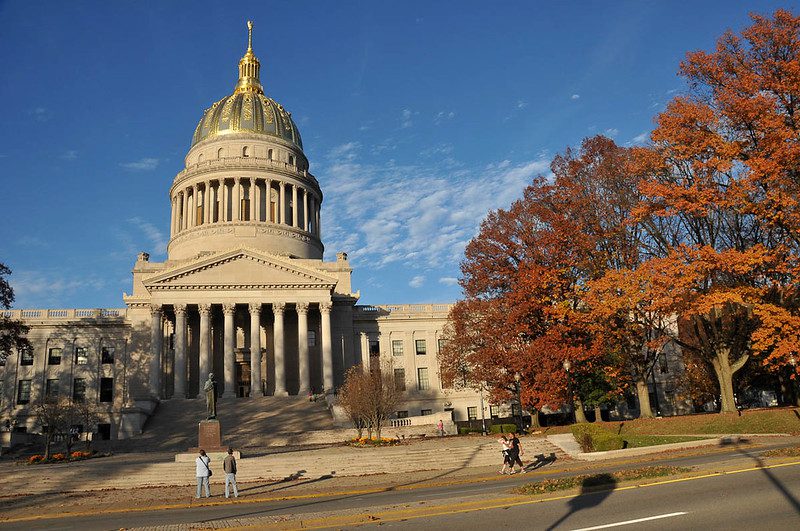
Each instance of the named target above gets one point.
<point>629,522</point>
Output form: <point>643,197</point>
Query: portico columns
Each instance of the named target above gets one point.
<point>205,345</point>
<point>327,352</point>
<point>180,351</point>
<point>255,349</point>
<point>304,377</point>
<point>294,206</point>
<point>229,356</point>
<point>155,344</point>
<point>280,371</point>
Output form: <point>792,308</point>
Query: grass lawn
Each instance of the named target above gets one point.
<point>775,420</point>
<point>638,441</point>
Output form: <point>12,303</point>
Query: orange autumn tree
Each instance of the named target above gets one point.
<point>723,188</point>
<point>524,277</point>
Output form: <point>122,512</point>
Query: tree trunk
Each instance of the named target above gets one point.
<point>535,419</point>
<point>598,414</point>
<point>725,370</point>
<point>642,393</point>
<point>580,416</point>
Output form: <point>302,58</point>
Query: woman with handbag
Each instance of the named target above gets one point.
<point>203,472</point>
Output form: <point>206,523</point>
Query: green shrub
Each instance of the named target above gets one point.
<point>594,438</point>
<point>503,428</point>
<point>465,430</point>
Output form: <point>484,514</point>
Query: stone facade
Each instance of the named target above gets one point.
<point>244,293</point>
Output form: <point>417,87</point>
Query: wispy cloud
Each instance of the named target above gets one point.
<point>639,139</point>
<point>448,281</point>
<point>575,97</point>
<point>155,237</point>
<point>69,154</point>
<point>345,151</point>
<point>40,114</point>
<point>611,132</point>
<point>406,118</point>
<point>144,164</point>
<point>521,104</point>
<point>414,214</point>
<point>50,288</point>
<point>442,116</point>
<point>32,241</point>
<point>417,282</point>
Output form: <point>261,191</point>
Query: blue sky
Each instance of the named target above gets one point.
<point>417,117</point>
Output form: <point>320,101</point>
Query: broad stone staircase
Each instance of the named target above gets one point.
<point>246,423</point>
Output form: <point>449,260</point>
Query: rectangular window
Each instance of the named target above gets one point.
<point>54,356</point>
<point>81,356</point>
<point>494,411</point>
<point>26,356</point>
<point>422,349</point>
<point>79,389</point>
<point>107,355</point>
<point>440,344</point>
<point>400,379</point>
<point>24,392</point>
<point>662,361</point>
<point>312,338</point>
<point>397,347</point>
<point>402,414</point>
<point>106,389</point>
<point>374,348</point>
<point>424,412</point>
<point>472,413</point>
<point>51,388</point>
<point>104,431</point>
<point>422,379</point>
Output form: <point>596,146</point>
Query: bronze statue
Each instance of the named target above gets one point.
<point>210,387</point>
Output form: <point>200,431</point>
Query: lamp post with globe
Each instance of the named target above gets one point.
<point>567,366</point>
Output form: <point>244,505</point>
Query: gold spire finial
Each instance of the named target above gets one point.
<point>249,67</point>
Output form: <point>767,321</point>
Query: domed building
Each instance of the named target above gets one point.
<point>244,294</point>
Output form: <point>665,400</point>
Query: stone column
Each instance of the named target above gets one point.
<point>236,190</point>
<point>229,338</point>
<point>193,217</point>
<point>281,201</point>
<point>180,351</point>
<point>268,200</point>
<point>280,370</point>
<point>156,336</point>
<point>305,210</point>
<point>304,376</point>
<point>327,351</point>
<point>184,208</point>
<point>223,204</point>
<point>207,203</point>
<point>255,350</point>
<point>294,205</point>
<point>365,351</point>
<point>205,346</point>
<point>319,221</point>
<point>252,194</point>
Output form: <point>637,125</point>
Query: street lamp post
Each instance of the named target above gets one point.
<point>567,366</point>
<point>793,381</point>
<point>517,388</point>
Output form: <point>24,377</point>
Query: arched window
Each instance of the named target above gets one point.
<point>291,160</point>
<point>219,153</point>
<point>200,158</point>
<point>246,151</point>
<point>269,154</point>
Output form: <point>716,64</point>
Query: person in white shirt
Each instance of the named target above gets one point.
<point>203,472</point>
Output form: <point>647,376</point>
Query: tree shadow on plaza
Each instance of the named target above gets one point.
<point>594,491</point>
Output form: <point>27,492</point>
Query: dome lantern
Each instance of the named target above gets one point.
<point>249,68</point>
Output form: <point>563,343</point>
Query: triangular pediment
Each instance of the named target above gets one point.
<point>241,269</point>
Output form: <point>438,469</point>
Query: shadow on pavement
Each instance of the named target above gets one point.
<point>771,477</point>
<point>594,490</point>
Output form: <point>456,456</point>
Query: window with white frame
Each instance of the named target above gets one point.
<point>397,347</point>
<point>423,384</point>
<point>421,348</point>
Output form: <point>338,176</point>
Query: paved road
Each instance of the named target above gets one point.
<point>767,497</point>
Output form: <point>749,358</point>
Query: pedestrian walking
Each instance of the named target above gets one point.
<point>516,451</point>
<point>440,428</point>
<point>203,472</point>
<point>229,465</point>
<point>505,448</point>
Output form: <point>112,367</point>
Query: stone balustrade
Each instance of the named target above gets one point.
<point>68,313</point>
<point>213,165</point>
<point>370,310</point>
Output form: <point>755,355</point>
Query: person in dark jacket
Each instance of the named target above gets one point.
<point>516,451</point>
<point>229,465</point>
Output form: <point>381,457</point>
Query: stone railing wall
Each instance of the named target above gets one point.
<point>242,163</point>
<point>66,314</point>
<point>403,309</point>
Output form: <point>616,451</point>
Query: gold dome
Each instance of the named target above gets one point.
<point>248,110</point>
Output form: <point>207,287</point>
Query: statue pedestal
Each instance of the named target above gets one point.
<point>209,438</point>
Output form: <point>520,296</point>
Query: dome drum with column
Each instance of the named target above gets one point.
<point>246,179</point>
